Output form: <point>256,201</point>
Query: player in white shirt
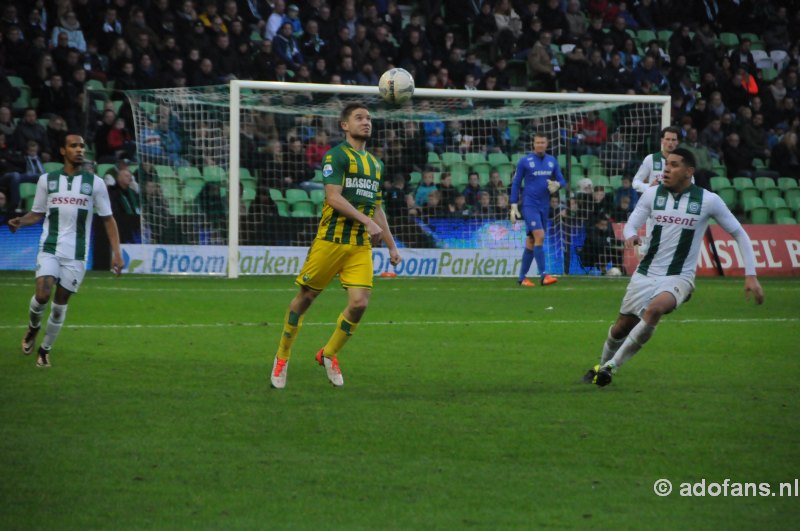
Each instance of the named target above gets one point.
<point>65,199</point>
<point>680,212</point>
<point>652,170</point>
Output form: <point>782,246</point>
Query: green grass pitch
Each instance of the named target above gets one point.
<point>461,409</point>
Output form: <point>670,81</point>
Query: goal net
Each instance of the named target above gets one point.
<point>265,142</point>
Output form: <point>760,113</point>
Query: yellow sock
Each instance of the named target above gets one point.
<point>291,325</point>
<point>344,329</point>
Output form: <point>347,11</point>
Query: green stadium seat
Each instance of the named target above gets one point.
<point>514,129</point>
<point>434,159</point>
<point>793,202</point>
<point>24,99</point>
<point>645,36</point>
<point>248,195</point>
<point>728,196</point>
<point>303,209</point>
<point>459,166</point>
<point>516,157</point>
<point>720,183</point>
<point>587,161</point>
<point>474,158</point>
<point>459,179</point>
<point>664,36</point>
<point>186,172</point>
<point>294,195</point>
<point>767,187</point>
<point>616,181</point>
<point>786,221</point>
<point>729,40</point>
<point>171,189</point>
<point>317,196</point>
<point>248,185</point>
<point>779,208</point>
<point>792,196</point>
<point>602,180</point>
<point>16,81</point>
<point>318,177</point>
<point>787,183</point>
<point>215,174</point>
<point>596,169</point>
<point>245,175</point>
<point>103,169</point>
<point>495,159</point>
<point>164,171</point>
<point>769,74</point>
<point>505,169</point>
<point>746,188</point>
<point>414,177</point>
<point>756,211</point>
<point>449,159</point>
<point>759,164</point>
<point>276,194</point>
<point>52,166</point>
<point>283,207</point>
<point>481,167</point>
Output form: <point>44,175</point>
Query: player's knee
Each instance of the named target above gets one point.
<point>58,312</point>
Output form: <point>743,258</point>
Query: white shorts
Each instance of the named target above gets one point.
<point>68,273</point>
<point>642,289</point>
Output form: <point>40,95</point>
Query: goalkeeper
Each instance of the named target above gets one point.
<point>540,177</point>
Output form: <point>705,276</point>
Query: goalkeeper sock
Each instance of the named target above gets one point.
<point>58,312</point>
<point>538,254</point>
<point>291,326</point>
<point>35,313</point>
<point>344,329</point>
<point>610,347</point>
<point>527,260</point>
<point>635,340</point>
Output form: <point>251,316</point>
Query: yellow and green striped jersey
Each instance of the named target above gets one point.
<point>359,174</point>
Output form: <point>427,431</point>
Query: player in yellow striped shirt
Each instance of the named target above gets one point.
<point>352,216</point>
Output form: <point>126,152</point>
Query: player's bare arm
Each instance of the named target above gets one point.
<point>31,218</point>
<point>113,238</point>
<point>388,239</point>
<point>334,197</point>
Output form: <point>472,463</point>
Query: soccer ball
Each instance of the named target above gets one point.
<point>613,272</point>
<point>396,86</point>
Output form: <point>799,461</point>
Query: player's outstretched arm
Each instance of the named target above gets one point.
<point>31,218</point>
<point>388,238</point>
<point>113,238</point>
<point>334,197</point>
<point>731,225</point>
<point>639,183</point>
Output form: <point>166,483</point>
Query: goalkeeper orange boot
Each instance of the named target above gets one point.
<point>526,283</point>
<point>548,279</point>
<point>332,369</point>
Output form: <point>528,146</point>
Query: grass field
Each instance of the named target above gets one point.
<point>461,409</point>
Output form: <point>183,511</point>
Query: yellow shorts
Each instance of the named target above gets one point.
<point>325,259</point>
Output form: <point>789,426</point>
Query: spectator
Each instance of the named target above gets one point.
<point>472,190</point>
<point>742,57</point>
<point>484,209</point>
<point>312,45</point>
<point>29,129</point>
<point>126,208</point>
<point>205,75</point>
<point>69,24</point>
<point>495,187</point>
<point>424,188</point>
<point>225,58</point>
<point>317,149</point>
<point>784,158</point>
<point>459,209</point>
<point>111,29</point>
<point>54,98</point>
<point>575,74</point>
<point>602,203</point>
<point>542,63</point>
<point>738,160</point>
<point>447,191</point>
<point>712,137</point>
<point>626,190</point>
<point>617,76</point>
<point>275,20</point>
<point>622,210</point>
<point>703,167</point>
<point>754,137</point>
<point>434,207</point>
<point>591,134</point>
<point>120,140</point>
<point>576,20</point>
<point>7,126</point>
<point>648,72</point>
<point>286,48</point>
<point>601,248</point>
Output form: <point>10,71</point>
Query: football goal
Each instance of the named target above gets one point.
<point>231,176</point>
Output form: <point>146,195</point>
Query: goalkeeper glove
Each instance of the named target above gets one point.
<point>514,213</point>
<point>553,186</point>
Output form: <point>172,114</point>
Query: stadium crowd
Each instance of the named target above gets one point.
<point>731,69</point>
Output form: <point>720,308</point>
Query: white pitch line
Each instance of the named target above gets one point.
<point>416,323</point>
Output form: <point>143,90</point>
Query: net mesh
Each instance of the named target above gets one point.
<point>182,139</point>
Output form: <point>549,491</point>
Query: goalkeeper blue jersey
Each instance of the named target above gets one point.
<point>532,174</point>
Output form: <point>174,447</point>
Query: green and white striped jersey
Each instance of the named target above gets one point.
<point>679,225</point>
<point>67,202</point>
<point>652,169</point>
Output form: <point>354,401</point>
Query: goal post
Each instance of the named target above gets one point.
<point>265,139</point>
